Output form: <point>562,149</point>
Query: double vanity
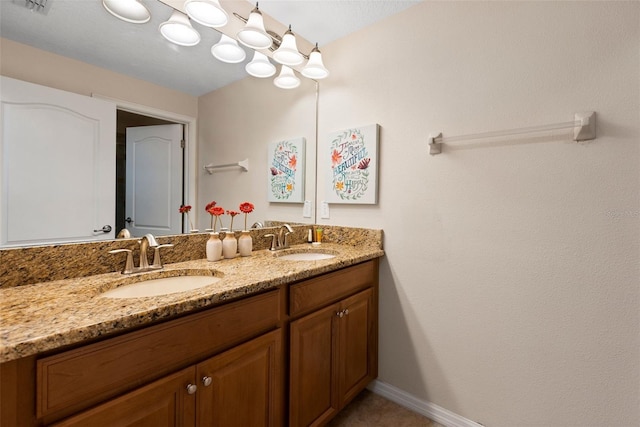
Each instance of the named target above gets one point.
<point>279,338</point>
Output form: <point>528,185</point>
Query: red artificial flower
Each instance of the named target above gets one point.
<point>209,209</point>
<point>184,209</point>
<point>217,211</point>
<point>233,214</point>
<point>246,207</point>
<point>209,206</point>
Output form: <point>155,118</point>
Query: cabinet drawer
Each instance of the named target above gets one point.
<point>78,378</point>
<point>315,293</point>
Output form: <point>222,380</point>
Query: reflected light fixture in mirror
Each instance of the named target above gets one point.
<point>315,69</point>
<point>178,30</point>
<point>128,10</point>
<point>287,53</point>
<point>260,66</point>
<point>206,12</point>
<point>286,79</point>
<point>227,50</point>
<point>253,34</point>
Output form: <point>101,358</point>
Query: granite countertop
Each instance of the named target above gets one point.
<point>45,316</point>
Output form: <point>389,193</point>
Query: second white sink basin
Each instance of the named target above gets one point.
<point>161,286</point>
<point>306,256</point>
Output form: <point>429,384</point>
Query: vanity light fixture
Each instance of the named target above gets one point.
<point>178,30</point>
<point>128,10</point>
<point>315,69</point>
<point>287,53</point>
<point>260,66</point>
<point>210,13</point>
<point>286,79</point>
<point>227,50</point>
<point>253,34</point>
<point>206,12</point>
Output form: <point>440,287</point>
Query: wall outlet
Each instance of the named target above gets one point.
<point>306,209</point>
<point>324,210</point>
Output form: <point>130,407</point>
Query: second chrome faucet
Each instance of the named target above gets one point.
<point>281,240</point>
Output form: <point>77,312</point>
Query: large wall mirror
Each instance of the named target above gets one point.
<point>228,129</point>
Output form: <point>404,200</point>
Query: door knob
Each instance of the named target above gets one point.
<point>105,229</point>
<point>128,220</point>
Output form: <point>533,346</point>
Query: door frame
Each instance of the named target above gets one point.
<point>190,151</point>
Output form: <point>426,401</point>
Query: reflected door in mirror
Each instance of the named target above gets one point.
<point>58,166</point>
<point>154,179</point>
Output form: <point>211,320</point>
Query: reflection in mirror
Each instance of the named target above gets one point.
<point>20,29</point>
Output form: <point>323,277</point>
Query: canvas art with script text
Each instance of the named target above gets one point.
<point>286,171</point>
<point>353,165</point>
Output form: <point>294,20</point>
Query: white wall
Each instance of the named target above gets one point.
<point>509,291</point>
<point>237,122</point>
<point>24,62</point>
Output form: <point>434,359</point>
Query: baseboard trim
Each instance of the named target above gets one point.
<point>428,409</point>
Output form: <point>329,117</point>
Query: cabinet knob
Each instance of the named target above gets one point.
<point>192,388</point>
<point>340,313</point>
<point>346,311</point>
<point>206,381</point>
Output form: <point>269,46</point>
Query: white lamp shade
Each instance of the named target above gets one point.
<point>128,10</point>
<point>227,50</point>
<point>315,68</point>
<point>253,34</point>
<point>287,53</point>
<point>206,12</point>
<point>286,79</point>
<point>260,66</point>
<point>178,30</point>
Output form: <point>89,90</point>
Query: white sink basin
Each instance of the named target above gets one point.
<point>162,286</point>
<point>306,256</point>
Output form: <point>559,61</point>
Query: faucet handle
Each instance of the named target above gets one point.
<point>273,241</point>
<point>128,266</point>
<point>157,263</point>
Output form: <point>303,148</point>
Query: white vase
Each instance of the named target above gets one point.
<point>214,247</point>
<point>245,243</point>
<point>229,245</point>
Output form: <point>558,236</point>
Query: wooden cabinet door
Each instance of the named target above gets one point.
<point>244,385</point>
<point>313,395</point>
<point>356,345</point>
<point>165,402</point>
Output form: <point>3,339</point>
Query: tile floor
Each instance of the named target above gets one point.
<point>371,410</point>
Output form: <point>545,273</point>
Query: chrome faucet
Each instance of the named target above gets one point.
<point>281,241</point>
<point>147,241</point>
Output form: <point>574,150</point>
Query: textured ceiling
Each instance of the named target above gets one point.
<point>83,30</point>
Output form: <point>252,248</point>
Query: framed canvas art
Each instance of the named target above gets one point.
<point>286,171</point>
<point>352,164</point>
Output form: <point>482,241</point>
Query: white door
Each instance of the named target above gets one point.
<point>57,170</point>
<point>154,180</point>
